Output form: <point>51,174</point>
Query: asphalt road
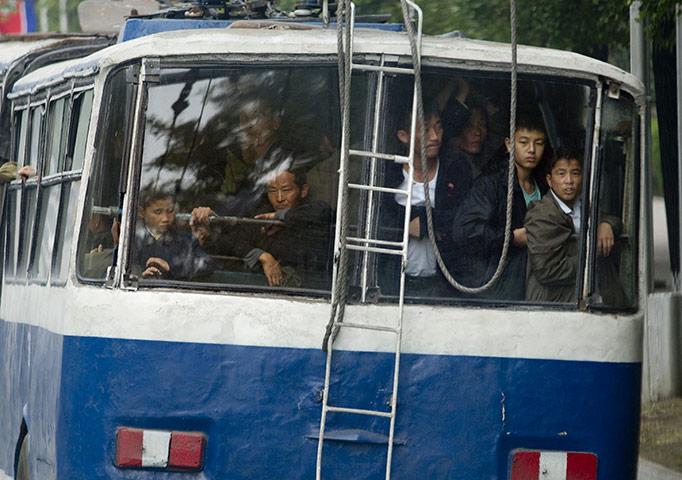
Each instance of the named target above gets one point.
<point>653,471</point>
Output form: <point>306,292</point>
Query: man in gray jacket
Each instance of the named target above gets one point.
<point>553,227</point>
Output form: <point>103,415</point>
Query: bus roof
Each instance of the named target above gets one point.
<point>296,39</point>
<point>16,47</point>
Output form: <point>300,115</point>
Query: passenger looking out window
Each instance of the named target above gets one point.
<point>479,223</point>
<point>160,250</point>
<point>247,164</point>
<point>553,227</point>
<point>294,251</point>
<point>449,181</point>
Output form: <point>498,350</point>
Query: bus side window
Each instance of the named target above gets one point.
<point>615,278</point>
<point>13,194</point>
<point>50,187</point>
<point>81,108</point>
<point>96,244</point>
<point>29,195</point>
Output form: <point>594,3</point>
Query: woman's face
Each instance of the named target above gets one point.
<point>474,134</point>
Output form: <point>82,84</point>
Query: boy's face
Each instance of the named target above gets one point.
<point>529,147</point>
<point>283,193</point>
<point>566,180</point>
<point>434,137</point>
<point>159,215</point>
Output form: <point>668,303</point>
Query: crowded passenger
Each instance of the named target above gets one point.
<point>479,223</point>
<point>553,226</point>
<point>471,139</point>
<point>160,250</point>
<point>295,253</point>
<point>246,166</point>
<point>449,181</point>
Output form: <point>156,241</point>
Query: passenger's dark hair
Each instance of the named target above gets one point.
<point>300,177</point>
<point>430,108</point>
<point>530,120</point>
<point>151,194</point>
<point>564,153</point>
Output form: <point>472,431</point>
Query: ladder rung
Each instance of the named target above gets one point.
<point>379,68</point>
<point>374,188</point>
<point>383,156</point>
<point>359,411</point>
<point>362,326</point>
<point>360,248</point>
<point>374,241</point>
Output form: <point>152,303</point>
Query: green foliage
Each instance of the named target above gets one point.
<point>660,14</point>
<point>656,170</point>
<point>53,14</point>
<point>586,26</point>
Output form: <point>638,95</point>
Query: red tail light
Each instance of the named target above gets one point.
<point>537,465</point>
<point>159,449</point>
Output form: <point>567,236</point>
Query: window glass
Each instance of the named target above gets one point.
<point>49,209</point>
<point>58,123</point>
<point>467,122</point>
<point>82,108</point>
<point>616,235</point>
<point>98,233</point>
<point>11,232</point>
<point>35,136</point>
<point>65,228</point>
<point>29,194</point>
<point>255,146</point>
<point>21,126</point>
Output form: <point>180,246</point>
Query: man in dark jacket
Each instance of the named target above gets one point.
<point>479,224</point>
<point>449,181</point>
<point>294,254</point>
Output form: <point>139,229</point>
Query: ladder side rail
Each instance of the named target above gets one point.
<point>406,232</point>
<point>346,42</point>
<point>370,208</point>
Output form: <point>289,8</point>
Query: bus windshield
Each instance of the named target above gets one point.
<point>238,182</point>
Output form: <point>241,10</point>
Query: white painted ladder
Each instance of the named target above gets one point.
<point>366,244</point>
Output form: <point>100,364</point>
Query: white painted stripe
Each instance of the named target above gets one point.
<point>155,447</point>
<point>256,320</point>
<point>552,466</point>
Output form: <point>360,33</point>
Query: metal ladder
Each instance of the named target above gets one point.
<point>365,243</point>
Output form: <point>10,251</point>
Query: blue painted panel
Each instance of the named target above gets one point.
<point>260,408</point>
<point>136,27</point>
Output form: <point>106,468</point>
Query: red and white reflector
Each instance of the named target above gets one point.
<point>159,449</point>
<point>537,465</point>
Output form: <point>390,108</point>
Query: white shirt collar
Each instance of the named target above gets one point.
<point>565,208</point>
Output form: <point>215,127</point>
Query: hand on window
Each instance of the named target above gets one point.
<point>271,268</point>
<point>200,216</point>
<point>605,239</point>
<point>156,268</point>
<point>26,172</point>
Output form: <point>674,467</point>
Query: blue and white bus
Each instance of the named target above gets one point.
<point>111,373</point>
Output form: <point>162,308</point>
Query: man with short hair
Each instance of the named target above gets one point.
<point>449,180</point>
<point>295,253</point>
<point>479,225</point>
<point>553,226</point>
